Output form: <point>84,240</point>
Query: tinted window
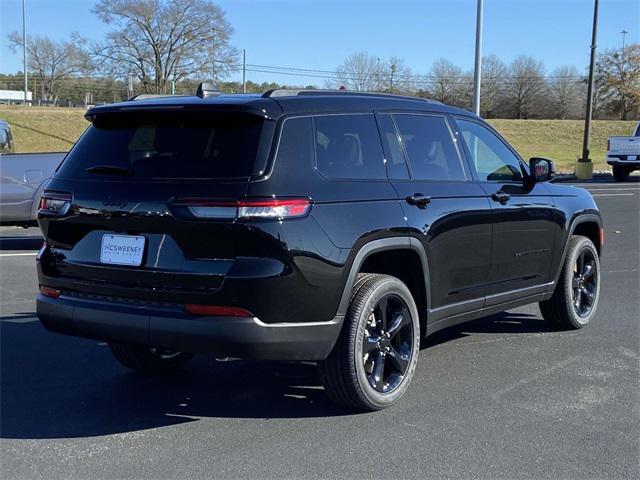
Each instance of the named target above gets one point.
<point>163,145</point>
<point>491,157</point>
<point>430,148</point>
<point>4,139</point>
<point>348,146</point>
<point>396,164</point>
<point>296,144</point>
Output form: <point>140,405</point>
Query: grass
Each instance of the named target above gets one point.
<point>561,140</point>
<point>46,129</point>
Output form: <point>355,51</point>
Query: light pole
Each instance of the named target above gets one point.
<point>584,166</point>
<point>624,37</point>
<point>478,62</point>
<point>24,50</point>
<point>244,70</point>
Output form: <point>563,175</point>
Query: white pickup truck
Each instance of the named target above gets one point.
<point>623,154</point>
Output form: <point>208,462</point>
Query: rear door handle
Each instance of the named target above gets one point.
<point>500,196</point>
<point>419,200</point>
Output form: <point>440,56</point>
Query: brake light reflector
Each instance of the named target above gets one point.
<point>217,311</point>
<point>55,203</point>
<point>50,292</point>
<point>276,208</point>
<point>601,236</point>
<point>608,144</point>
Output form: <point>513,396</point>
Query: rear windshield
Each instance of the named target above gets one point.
<point>155,145</point>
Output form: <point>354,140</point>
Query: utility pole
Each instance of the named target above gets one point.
<point>393,73</point>
<point>584,167</point>
<point>213,55</point>
<point>24,50</point>
<point>477,74</point>
<point>244,70</point>
<point>130,86</point>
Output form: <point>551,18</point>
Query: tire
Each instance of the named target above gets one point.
<point>374,359</point>
<point>149,359</point>
<point>580,278</point>
<point>620,173</point>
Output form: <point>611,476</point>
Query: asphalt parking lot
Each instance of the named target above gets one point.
<point>502,397</point>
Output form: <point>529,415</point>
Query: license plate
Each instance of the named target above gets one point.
<point>122,249</point>
<point>632,157</point>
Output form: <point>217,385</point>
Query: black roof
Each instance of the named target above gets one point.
<point>285,102</point>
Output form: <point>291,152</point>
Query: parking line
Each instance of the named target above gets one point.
<point>630,189</point>
<point>613,194</point>
<point>29,254</point>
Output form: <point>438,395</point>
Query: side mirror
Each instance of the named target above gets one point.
<point>541,169</point>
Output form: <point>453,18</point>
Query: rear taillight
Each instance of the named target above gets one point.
<point>217,311</point>
<point>50,292</point>
<point>55,203</point>
<point>276,208</point>
<point>608,145</point>
<point>601,236</point>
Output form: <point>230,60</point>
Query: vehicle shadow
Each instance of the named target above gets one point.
<point>55,386</point>
<point>501,323</point>
<point>21,243</point>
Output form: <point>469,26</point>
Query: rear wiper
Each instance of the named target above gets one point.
<point>109,170</point>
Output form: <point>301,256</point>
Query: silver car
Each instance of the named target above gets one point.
<point>22,179</point>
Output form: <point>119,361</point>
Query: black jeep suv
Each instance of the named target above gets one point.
<point>325,226</point>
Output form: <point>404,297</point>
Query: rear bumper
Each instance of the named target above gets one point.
<point>623,161</point>
<point>173,329</point>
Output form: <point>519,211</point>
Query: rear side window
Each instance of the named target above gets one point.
<point>429,145</point>
<point>348,147</point>
<point>167,146</point>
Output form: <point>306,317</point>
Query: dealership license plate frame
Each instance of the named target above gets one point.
<point>130,259</point>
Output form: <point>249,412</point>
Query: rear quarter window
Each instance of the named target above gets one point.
<point>167,146</point>
<point>348,147</point>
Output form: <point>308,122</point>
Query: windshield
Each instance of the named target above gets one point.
<point>166,145</point>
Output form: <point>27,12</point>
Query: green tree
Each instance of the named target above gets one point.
<point>618,81</point>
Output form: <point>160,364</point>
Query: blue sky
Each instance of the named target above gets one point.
<point>319,35</point>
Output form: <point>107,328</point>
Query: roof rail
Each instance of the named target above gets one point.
<point>291,92</point>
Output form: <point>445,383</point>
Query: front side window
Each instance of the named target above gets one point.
<point>348,147</point>
<point>492,159</point>
<point>430,147</point>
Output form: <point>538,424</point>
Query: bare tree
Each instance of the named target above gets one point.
<point>396,77</point>
<point>618,80</point>
<point>360,72</point>
<point>160,41</point>
<point>567,93</point>
<point>449,84</point>
<point>494,72</point>
<point>52,61</point>
<point>525,88</point>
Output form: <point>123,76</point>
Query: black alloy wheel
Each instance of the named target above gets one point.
<point>585,283</point>
<point>388,343</point>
